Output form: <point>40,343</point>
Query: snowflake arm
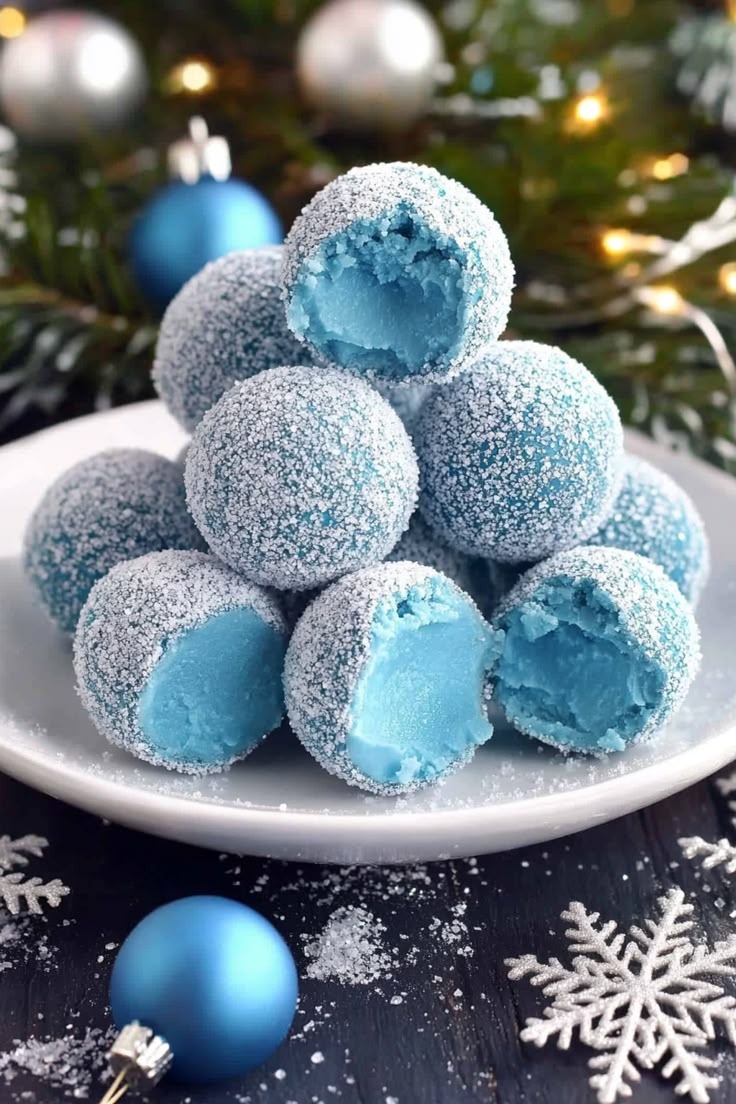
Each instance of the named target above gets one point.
<point>721,853</point>
<point>14,890</point>
<point>16,852</point>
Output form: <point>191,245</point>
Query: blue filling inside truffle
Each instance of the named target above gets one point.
<point>216,691</point>
<point>386,296</point>
<point>569,672</point>
<point>419,704</point>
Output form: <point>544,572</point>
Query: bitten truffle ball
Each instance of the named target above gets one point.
<point>656,518</point>
<point>180,661</point>
<point>600,649</point>
<point>110,507</point>
<point>397,273</point>
<point>385,678</point>
<point>521,457</point>
<point>226,324</point>
<point>300,475</point>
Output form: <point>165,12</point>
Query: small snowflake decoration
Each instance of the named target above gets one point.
<point>722,852</point>
<point>15,888</point>
<point>639,1000</point>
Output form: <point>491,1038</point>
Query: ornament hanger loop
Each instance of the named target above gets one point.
<point>200,154</point>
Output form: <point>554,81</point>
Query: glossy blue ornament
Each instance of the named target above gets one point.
<point>211,976</point>
<point>185,226</point>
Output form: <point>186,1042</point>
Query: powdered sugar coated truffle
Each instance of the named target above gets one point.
<point>226,324</point>
<point>300,475</point>
<point>600,649</point>
<point>395,272</point>
<point>520,457</point>
<point>656,518</point>
<point>385,677</point>
<point>179,660</point>
<point>110,507</point>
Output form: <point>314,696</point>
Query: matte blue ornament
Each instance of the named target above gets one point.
<point>197,218</point>
<point>211,977</point>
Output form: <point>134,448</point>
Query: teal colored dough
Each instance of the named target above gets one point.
<point>600,648</point>
<point>385,678</point>
<point>397,273</point>
<point>180,661</point>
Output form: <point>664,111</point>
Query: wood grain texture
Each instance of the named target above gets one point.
<point>452,1039</point>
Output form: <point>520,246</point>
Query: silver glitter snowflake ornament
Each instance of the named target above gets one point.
<point>15,888</point>
<point>642,1000</point>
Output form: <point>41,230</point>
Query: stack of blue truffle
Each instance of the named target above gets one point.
<point>391,517</point>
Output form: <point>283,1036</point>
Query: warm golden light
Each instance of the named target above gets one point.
<point>590,109</point>
<point>12,22</point>
<point>616,242</point>
<point>731,8</point>
<point>192,76</point>
<point>664,168</point>
<point>663,300</point>
<point>727,277</point>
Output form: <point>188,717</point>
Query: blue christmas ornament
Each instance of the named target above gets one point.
<point>197,218</point>
<point>213,980</point>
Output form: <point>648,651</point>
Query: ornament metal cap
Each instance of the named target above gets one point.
<point>200,154</point>
<point>139,1059</point>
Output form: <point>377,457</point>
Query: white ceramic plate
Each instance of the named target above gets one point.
<point>280,803</point>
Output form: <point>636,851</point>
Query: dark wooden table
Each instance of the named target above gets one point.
<point>443,1028</point>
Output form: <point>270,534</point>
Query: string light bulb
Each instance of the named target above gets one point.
<point>662,300</point>
<point>590,109</point>
<point>193,75</point>
<point>665,168</point>
<point>727,278</point>
<point>12,22</point>
<point>617,242</point>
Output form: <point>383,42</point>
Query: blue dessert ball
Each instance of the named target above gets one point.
<point>179,661</point>
<point>300,475</point>
<point>397,273</point>
<point>600,648</point>
<point>226,324</point>
<point>385,678</point>
<point>214,979</point>
<point>520,457</point>
<point>111,507</point>
<point>656,518</point>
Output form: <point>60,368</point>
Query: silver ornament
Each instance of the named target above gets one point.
<point>370,62</point>
<point>68,74</point>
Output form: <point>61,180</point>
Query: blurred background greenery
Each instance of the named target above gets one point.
<point>600,132</point>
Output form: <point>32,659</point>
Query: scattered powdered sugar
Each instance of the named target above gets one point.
<point>70,1064</point>
<point>349,949</point>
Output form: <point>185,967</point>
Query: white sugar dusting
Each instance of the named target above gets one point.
<point>126,620</point>
<point>226,324</point>
<point>521,456</point>
<point>299,475</point>
<point>448,210</point>
<point>349,949</point>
